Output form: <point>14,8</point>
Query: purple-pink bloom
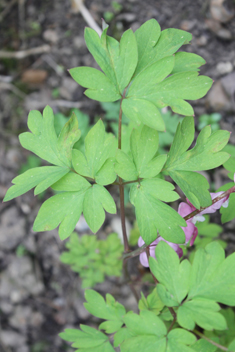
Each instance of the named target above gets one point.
<point>143,256</point>
<point>190,230</point>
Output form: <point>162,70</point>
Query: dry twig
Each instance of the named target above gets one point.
<point>78,6</point>
<point>7,9</point>
<point>24,53</point>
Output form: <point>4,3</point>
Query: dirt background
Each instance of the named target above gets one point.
<point>39,296</point>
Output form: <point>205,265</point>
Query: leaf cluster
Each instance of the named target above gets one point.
<point>93,259</point>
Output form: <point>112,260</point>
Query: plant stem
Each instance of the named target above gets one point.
<point>173,313</point>
<point>209,340</point>
<point>223,195</point>
<point>121,186</point>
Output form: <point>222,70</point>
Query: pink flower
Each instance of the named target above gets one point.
<point>190,230</point>
<point>143,256</point>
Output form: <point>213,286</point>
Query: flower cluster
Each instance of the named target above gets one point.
<point>190,230</point>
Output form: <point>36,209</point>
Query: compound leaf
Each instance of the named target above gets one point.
<point>110,310</point>
<point>152,302</point>
<point>202,345</point>
<point>178,341</point>
<point>153,215</point>
<point>99,86</point>
<point>123,57</point>
<point>42,177</point>
<point>213,276</point>
<point>124,166</point>
<point>187,62</point>
<point>87,339</point>
<point>142,110</point>
<point>203,312</point>
<point>64,208</point>
<point>204,156</point>
<point>147,36</point>
<point>43,140</point>
<point>99,147</point>
<point>99,52</point>
<point>96,199</point>
<point>171,274</point>
<point>144,145</point>
<point>147,331</point>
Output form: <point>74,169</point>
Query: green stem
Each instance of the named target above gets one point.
<point>140,250</point>
<point>121,186</point>
<point>223,195</point>
<point>173,313</point>
<point>209,340</point>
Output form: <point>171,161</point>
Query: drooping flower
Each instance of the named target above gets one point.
<point>190,230</point>
<point>143,256</point>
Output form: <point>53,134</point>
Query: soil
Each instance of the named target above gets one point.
<point>40,296</point>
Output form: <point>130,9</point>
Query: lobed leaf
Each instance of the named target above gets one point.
<point>96,163</point>
<point>153,215</point>
<point>204,156</point>
<point>99,86</point>
<point>171,274</point>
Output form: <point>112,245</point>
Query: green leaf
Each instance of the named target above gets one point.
<point>146,36</point>
<point>43,140</point>
<point>187,62</point>
<point>93,259</point>
<point>153,45</point>
<point>204,156</point>
<point>87,339</point>
<point>202,312</point>
<point>212,276</point>
<point>152,302</point>
<point>123,58</point>
<point>106,174</point>
<point>110,310</point>
<point>99,86</point>
<point>177,340</point>
<point>170,273</point>
<point>42,177</point>
<point>228,214</point>
<point>173,90</point>
<point>96,199</point>
<point>153,215</point>
<point>202,345</point>
<point>64,208</point>
<point>195,186</point>
<point>144,83</point>
<point>99,147</point>
<point>207,229</point>
<point>144,145</point>
<point>142,110</point>
<point>231,347</point>
<point>124,166</point>
<point>148,333</point>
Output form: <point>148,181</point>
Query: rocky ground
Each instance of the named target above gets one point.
<point>39,296</point>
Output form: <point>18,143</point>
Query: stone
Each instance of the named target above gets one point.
<point>228,83</point>
<point>12,339</point>
<point>19,281</point>
<point>224,67</point>
<point>51,36</point>
<point>12,229</point>
<point>217,98</point>
<point>67,88</point>
<point>117,227</point>
<point>82,225</point>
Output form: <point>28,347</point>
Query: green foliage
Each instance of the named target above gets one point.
<point>93,259</point>
<point>110,310</point>
<point>208,232</point>
<point>87,339</point>
<point>228,213</point>
<point>206,155</point>
<point>195,288</point>
<point>212,120</point>
<point>230,163</point>
<point>97,163</point>
<point>152,302</point>
<point>153,215</point>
